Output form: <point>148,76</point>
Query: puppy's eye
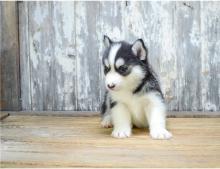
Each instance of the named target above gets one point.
<point>123,69</point>
<point>106,69</point>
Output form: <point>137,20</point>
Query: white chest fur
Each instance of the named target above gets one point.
<point>136,105</point>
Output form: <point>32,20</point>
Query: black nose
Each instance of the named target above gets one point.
<point>111,86</point>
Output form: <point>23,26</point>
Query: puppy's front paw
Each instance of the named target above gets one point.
<point>160,133</point>
<point>121,133</point>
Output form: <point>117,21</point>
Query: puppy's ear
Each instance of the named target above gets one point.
<point>139,49</point>
<point>107,41</point>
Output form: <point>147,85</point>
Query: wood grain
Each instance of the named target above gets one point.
<point>87,55</point>
<point>41,54</point>
<point>9,57</point>
<point>61,51</point>
<point>187,28</point>
<point>40,141</point>
<point>25,67</point>
<point>210,60</point>
<point>64,67</point>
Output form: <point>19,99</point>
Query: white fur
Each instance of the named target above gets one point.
<point>156,115</point>
<point>122,121</point>
<point>142,110</point>
<point>121,81</point>
<point>113,78</point>
<point>106,62</point>
<point>119,62</point>
<point>132,79</point>
<point>113,52</point>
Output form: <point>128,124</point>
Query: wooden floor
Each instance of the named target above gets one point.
<point>41,141</point>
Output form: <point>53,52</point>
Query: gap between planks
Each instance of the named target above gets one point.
<point>173,114</point>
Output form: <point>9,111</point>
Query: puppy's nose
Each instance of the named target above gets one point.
<point>111,86</point>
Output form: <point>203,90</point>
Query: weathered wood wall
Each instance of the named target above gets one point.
<point>61,47</point>
<point>9,57</point>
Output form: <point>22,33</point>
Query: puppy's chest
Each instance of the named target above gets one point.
<point>130,100</point>
<point>135,105</point>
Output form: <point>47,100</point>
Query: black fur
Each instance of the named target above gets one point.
<point>149,83</point>
<point>104,106</point>
<point>112,104</point>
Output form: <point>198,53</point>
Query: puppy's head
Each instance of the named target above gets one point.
<point>124,64</point>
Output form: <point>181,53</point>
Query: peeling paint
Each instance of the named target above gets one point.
<point>195,34</point>
<point>64,43</point>
<point>66,63</point>
<point>39,14</point>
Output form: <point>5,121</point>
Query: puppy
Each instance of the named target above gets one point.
<point>133,96</point>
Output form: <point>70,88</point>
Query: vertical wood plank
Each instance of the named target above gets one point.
<point>41,55</point>
<point>25,73</point>
<point>64,56</point>
<point>9,59</point>
<point>210,56</point>
<point>187,47</point>
<point>165,61</point>
<point>88,63</point>
<point>1,103</point>
<point>111,19</point>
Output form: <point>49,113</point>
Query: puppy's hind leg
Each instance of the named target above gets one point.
<point>156,115</point>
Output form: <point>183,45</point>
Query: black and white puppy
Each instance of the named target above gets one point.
<point>133,95</point>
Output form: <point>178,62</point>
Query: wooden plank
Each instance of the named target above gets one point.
<point>25,70</point>
<point>41,54</point>
<point>111,20</point>
<point>210,52</point>
<point>87,56</point>
<point>81,142</point>
<point>9,60</point>
<point>64,56</point>
<point>187,52</point>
